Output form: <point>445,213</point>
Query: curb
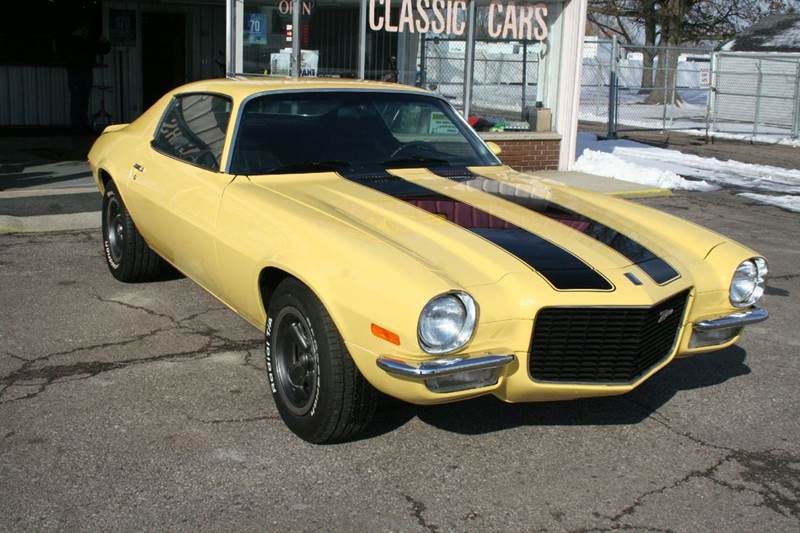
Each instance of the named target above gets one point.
<point>44,223</point>
<point>602,184</point>
<point>30,193</point>
<point>642,193</point>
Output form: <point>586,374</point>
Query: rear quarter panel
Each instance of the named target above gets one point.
<point>115,150</point>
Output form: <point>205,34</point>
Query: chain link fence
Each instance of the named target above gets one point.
<point>505,75</point>
<point>738,94</point>
<point>629,88</point>
<point>645,88</point>
<point>595,81</point>
<point>441,63</point>
<point>661,88</point>
<point>756,94</point>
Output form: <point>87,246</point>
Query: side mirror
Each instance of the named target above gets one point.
<point>494,147</point>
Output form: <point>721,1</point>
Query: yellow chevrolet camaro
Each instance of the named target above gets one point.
<point>382,246</point>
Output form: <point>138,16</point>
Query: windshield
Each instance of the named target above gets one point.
<point>355,131</point>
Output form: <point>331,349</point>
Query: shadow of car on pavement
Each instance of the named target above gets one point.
<point>487,414</point>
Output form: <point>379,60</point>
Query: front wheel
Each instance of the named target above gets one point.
<point>318,390</point>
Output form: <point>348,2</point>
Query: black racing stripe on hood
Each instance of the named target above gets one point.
<point>659,270</point>
<point>563,270</point>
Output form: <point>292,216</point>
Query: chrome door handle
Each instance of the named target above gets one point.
<point>138,167</point>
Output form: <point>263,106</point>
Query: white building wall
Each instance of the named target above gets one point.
<point>573,20</point>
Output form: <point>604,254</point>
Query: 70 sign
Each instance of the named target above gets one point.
<point>255,28</point>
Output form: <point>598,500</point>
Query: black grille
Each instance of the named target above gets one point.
<point>603,345</point>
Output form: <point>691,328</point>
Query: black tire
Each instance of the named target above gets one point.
<point>128,257</point>
<point>318,390</point>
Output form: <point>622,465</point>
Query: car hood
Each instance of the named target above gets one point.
<point>475,225</point>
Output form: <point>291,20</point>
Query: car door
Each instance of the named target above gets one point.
<point>176,184</point>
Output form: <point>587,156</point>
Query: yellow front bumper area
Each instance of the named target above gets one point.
<point>514,383</point>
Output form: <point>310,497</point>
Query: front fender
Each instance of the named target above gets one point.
<point>358,278</point>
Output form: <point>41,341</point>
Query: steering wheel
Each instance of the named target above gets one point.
<point>414,144</point>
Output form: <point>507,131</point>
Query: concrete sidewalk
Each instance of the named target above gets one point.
<point>610,186</point>
<point>37,195</point>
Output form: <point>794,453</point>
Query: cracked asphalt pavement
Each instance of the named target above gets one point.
<point>145,407</point>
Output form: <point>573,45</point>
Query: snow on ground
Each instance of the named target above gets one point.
<point>611,166</point>
<point>640,163</point>
<point>723,173</point>
<point>785,201</point>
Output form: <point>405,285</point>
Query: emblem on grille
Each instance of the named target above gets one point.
<point>663,315</point>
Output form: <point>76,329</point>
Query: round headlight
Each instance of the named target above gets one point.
<point>447,323</point>
<point>747,286</point>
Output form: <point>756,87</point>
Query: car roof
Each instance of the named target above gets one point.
<point>241,86</point>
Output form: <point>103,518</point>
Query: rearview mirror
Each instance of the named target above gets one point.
<point>494,147</point>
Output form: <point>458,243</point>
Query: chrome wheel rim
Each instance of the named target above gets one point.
<point>115,229</point>
<point>296,361</point>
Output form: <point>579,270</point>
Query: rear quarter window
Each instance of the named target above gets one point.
<point>194,128</point>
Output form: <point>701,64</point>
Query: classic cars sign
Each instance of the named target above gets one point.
<point>504,20</point>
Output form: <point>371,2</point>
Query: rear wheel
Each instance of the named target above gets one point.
<point>318,390</point>
<point>128,257</point>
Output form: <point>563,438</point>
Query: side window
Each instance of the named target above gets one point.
<point>194,128</point>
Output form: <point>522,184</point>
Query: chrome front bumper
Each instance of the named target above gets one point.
<point>449,366</point>
<point>753,315</point>
<point>442,367</point>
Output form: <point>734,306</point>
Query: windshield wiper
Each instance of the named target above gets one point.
<point>414,162</point>
<point>312,166</point>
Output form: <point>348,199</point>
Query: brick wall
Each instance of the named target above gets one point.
<point>527,150</point>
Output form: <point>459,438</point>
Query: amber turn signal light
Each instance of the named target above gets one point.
<point>385,334</point>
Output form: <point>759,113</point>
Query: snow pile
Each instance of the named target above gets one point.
<point>785,201</point>
<point>725,173</point>
<point>734,174</point>
<point>669,169</point>
<point>612,166</point>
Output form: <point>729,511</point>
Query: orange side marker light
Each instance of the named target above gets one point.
<point>385,334</point>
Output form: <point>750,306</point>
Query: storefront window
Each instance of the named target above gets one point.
<point>330,31</point>
<point>381,47</point>
<point>266,36</point>
<point>418,42</point>
<point>328,35</point>
<point>511,52</point>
